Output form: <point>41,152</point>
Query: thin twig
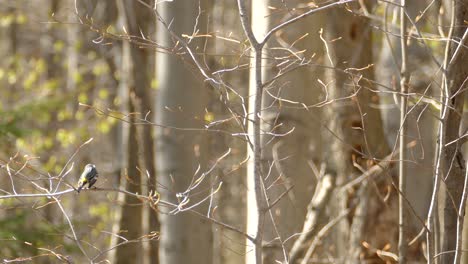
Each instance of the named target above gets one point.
<point>299,17</point>
<point>404,82</point>
<point>70,224</point>
<point>323,231</point>
<point>431,247</point>
<point>460,220</point>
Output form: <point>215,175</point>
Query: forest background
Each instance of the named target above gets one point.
<point>234,131</point>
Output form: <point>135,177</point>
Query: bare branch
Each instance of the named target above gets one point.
<point>297,18</point>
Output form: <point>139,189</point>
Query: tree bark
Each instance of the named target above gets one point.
<point>453,163</point>
<point>287,108</point>
<point>181,100</point>
<point>419,118</point>
<point>356,133</point>
<point>130,222</point>
<point>130,218</point>
<point>402,167</point>
<point>230,202</point>
<point>137,21</point>
<point>131,211</point>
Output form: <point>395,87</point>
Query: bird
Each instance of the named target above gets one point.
<point>88,176</point>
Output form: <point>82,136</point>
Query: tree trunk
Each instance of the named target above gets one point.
<point>53,213</point>
<point>130,222</point>
<point>453,163</point>
<point>255,215</point>
<point>230,201</point>
<point>181,100</point>
<point>420,121</point>
<point>121,141</point>
<point>137,20</point>
<point>130,217</point>
<point>131,214</point>
<point>286,107</point>
<point>356,135</point>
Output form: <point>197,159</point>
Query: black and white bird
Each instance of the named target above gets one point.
<point>89,176</point>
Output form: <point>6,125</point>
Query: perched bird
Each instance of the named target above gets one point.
<point>89,176</point>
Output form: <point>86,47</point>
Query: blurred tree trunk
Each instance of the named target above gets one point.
<point>421,124</point>
<point>130,215</point>
<point>72,70</point>
<point>452,161</point>
<point>138,20</point>
<point>464,256</point>
<point>284,109</point>
<point>356,136</point>
<point>131,218</point>
<point>53,213</point>
<point>121,141</point>
<point>12,43</point>
<point>117,60</point>
<point>230,199</point>
<point>181,100</point>
<point>73,40</point>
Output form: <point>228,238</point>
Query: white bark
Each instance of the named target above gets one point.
<point>259,25</point>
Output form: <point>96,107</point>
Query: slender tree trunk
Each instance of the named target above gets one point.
<point>129,217</point>
<point>419,120</point>
<point>130,222</point>
<point>402,167</point>
<point>230,200</point>
<point>138,20</point>
<point>121,141</point>
<point>131,214</point>
<point>53,213</point>
<point>453,163</point>
<point>117,61</point>
<point>255,195</point>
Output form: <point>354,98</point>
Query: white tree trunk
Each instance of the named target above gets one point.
<point>259,26</point>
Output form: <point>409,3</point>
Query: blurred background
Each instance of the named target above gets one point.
<point>166,107</point>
